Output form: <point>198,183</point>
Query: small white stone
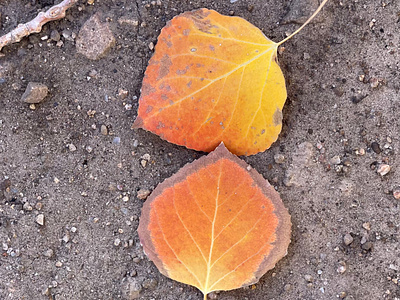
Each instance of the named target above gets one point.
<point>279,158</point>
<point>40,219</point>
<point>117,242</point>
<point>383,169</point>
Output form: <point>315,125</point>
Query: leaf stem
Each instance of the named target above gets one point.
<point>205,296</point>
<point>302,26</point>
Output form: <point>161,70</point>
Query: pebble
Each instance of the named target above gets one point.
<point>89,149</point>
<point>59,264</point>
<point>151,46</point>
<point>308,278</point>
<point>363,240</point>
<point>122,94</point>
<point>396,194</point>
<point>347,239</point>
<point>342,267</point>
<point>360,152</point>
<point>73,229</point>
<point>48,253</point>
<point>367,226</point>
<point>55,35</point>
<point>279,158</point>
<point>103,130</point>
<point>71,147</point>
<point>125,198</point>
<point>27,206</point>
<point>35,93</point>
<point>95,38</point>
<point>132,288</point>
<point>335,160</point>
<point>142,194</point>
<point>383,169</point>
<point>40,219</point>
<point>376,147</point>
<point>367,246</point>
<point>150,283</point>
<point>342,295</point>
<point>117,242</point>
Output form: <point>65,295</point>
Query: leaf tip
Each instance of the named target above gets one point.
<point>138,123</point>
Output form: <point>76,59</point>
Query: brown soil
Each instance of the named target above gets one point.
<point>342,76</point>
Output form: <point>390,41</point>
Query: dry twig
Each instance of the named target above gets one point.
<point>54,13</point>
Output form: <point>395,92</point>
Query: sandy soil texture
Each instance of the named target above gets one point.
<point>71,169</point>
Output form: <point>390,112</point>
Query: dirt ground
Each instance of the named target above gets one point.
<point>341,126</point>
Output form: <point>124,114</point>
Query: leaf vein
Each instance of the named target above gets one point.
<point>173,251</point>
<point>187,229</point>
<point>239,241</point>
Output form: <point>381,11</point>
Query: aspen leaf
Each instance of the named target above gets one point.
<point>217,224</point>
<point>213,78</point>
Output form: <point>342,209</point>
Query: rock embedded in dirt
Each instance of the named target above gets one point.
<point>383,169</point>
<point>150,283</point>
<point>376,147</point>
<point>367,246</point>
<point>40,219</point>
<point>131,288</point>
<point>35,93</point>
<point>142,194</point>
<point>279,158</point>
<point>48,253</point>
<point>95,38</point>
<point>347,239</point>
<point>55,35</point>
<point>103,130</point>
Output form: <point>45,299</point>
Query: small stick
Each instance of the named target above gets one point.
<point>54,13</point>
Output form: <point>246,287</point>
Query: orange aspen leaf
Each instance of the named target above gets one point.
<point>214,79</point>
<point>217,224</point>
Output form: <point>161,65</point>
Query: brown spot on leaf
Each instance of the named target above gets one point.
<point>183,71</point>
<point>165,64</point>
<point>149,109</point>
<point>147,89</point>
<point>186,32</point>
<point>167,42</point>
<point>277,117</point>
<point>199,19</point>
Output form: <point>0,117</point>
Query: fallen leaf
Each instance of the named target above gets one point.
<point>217,224</point>
<point>213,78</point>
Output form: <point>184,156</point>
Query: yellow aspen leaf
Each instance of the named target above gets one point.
<point>217,224</point>
<point>214,79</point>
